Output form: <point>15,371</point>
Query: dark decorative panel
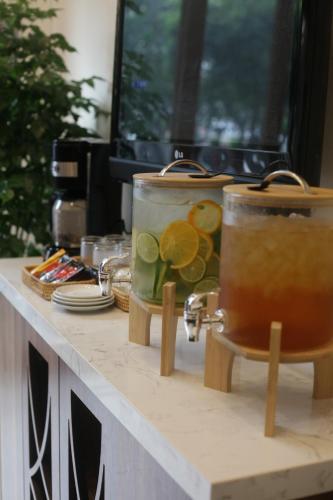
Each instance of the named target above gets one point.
<point>39,407</point>
<point>86,470</point>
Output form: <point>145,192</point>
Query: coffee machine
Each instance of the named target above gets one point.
<point>85,199</point>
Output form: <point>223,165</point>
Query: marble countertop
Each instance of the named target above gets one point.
<point>211,443</point>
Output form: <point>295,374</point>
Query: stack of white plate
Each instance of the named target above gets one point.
<point>81,298</point>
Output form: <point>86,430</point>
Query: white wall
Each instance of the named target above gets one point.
<point>89,26</point>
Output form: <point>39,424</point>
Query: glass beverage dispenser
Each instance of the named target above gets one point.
<point>176,232</point>
<point>277,263</point>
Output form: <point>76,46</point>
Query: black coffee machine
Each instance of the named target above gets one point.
<point>85,200</point>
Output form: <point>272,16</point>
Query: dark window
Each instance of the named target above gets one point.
<point>234,84</point>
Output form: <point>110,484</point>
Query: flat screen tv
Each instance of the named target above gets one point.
<point>237,85</point>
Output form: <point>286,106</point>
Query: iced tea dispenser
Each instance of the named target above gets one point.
<point>277,252</point>
<point>276,264</point>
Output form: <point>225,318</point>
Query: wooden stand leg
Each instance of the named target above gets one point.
<point>218,364</point>
<point>169,329</point>
<point>218,357</point>
<point>139,321</point>
<point>273,373</point>
<point>323,378</point>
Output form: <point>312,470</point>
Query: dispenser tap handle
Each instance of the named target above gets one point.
<point>195,315</point>
<point>106,272</point>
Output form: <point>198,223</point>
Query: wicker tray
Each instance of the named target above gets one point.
<point>45,290</point>
<point>121,298</point>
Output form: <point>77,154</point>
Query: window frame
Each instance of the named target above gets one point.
<point>309,81</point>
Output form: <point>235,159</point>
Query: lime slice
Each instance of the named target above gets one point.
<point>144,277</point>
<point>206,285</point>
<point>194,271</point>
<point>147,247</point>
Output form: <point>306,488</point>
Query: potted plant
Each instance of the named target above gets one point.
<point>37,104</point>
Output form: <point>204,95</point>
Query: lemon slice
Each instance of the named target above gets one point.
<point>179,244</point>
<point>206,246</point>
<point>208,284</point>
<point>206,216</point>
<point>147,247</point>
<point>195,271</point>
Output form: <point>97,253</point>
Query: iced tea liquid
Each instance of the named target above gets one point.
<point>277,269</point>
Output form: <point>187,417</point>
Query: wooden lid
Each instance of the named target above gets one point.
<point>181,180</point>
<point>279,195</point>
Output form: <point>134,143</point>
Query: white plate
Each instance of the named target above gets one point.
<point>79,291</point>
<point>88,301</point>
<point>82,308</point>
<point>83,303</point>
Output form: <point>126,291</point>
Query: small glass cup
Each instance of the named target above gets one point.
<point>117,237</point>
<point>110,246</point>
<point>87,247</point>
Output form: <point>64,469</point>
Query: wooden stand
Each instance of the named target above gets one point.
<point>140,313</point>
<point>220,354</point>
<point>220,351</point>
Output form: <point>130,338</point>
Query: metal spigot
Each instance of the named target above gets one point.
<point>107,271</point>
<point>195,315</point>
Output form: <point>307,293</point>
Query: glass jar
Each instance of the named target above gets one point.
<point>110,247</point>
<point>87,247</point>
<point>277,264</point>
<point>69,221</point>
<point>176,233</point>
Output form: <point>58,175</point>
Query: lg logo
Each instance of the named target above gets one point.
<point>178,155</point>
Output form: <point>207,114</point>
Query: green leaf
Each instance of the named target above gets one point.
<point>37,105</point>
